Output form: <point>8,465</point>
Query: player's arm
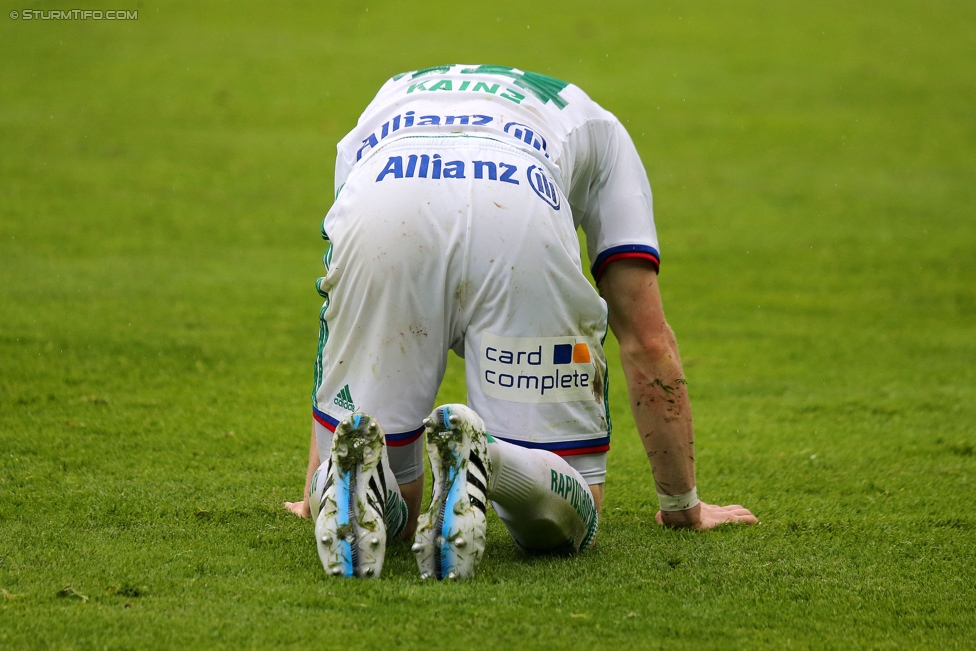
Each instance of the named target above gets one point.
<point>659,394</point>
<point>302,509</point>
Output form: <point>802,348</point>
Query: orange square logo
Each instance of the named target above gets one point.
<point>581,354</point>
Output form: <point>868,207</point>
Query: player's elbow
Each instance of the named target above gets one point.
<point>650,349</point>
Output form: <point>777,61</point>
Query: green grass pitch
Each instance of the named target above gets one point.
<point>162,181</point>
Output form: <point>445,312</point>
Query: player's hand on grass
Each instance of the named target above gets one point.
<point>301,509</point>
<point>706,516</point>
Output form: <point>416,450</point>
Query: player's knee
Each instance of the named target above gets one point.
<point>556,531</point>
<point>317,488</point>
<point>551,523</point>
<point>546,536</point>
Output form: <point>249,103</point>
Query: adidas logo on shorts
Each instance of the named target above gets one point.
<point>344,399</point>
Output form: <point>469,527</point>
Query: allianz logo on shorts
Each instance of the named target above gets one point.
<point>536,369</point>
<point>543,186</point>
<point>425,166</point>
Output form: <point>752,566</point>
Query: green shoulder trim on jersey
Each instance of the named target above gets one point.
<point>427,71</point>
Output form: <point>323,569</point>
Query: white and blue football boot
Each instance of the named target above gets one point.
<point>450,539</point>
<point>350,531</point>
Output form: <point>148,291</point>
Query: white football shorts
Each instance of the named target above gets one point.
<point>461,243</point>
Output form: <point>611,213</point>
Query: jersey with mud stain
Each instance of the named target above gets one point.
<point>585,148</point>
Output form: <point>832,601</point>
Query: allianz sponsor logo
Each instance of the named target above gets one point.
<point>411,120</point>
<point>543,186</point>
<point>426,166</point>
<point>536,369</point>
<point>526,134</point>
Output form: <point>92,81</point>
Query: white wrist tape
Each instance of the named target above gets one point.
<point>678,502</point>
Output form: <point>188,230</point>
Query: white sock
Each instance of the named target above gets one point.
<point>543,501</point>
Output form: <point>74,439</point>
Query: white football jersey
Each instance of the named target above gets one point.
<point>585,148</point>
